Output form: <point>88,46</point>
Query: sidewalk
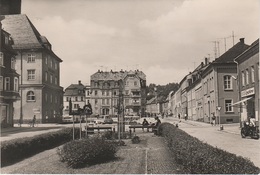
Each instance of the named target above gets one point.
<point>233,128</point>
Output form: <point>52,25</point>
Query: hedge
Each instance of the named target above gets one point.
<point>79,153</point>
<point>15,150</point>
<point>198,157</point>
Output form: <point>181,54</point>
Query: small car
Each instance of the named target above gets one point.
<point>108,121</point>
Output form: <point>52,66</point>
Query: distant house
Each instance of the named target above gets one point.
<point>110,89</point>
<point>39,69</point>
<point>9,79</point>
<point>76,93</point>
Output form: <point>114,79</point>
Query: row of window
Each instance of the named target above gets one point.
<point>31,75</point>
<point>75,99</point>
<point>13,60</point>
<point>30,96</point>
<point>31,58</point>
<point>248,77</point>
<point>5,84</point>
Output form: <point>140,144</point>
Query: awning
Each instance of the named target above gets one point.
<point>241,101</point>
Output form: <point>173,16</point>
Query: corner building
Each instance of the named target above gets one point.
<point>106,86</point>
<point>39,69</point>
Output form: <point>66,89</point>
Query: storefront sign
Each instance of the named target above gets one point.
<point>248,92</point>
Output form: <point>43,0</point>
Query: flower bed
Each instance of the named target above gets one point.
<point>200,158</point>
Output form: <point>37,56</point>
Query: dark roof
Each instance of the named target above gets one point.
<point>73,90</point>
<point>24,33</point>
<point>232,53</point>
<point>106,76</point>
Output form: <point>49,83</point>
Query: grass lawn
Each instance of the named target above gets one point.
<point>131,159</point>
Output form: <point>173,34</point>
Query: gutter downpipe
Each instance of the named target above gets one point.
<point>21,103</point>
<point>239,93</point>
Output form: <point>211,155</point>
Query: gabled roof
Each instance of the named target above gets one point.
<point>232,53</point>
<point>74,90</point>
<point>24,33</point>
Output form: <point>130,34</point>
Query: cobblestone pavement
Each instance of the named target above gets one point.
<point>159,159</point>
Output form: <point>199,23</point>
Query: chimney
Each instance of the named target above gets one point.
<point>206,61</point>
<point>242,40</point>
<point>79,82</point>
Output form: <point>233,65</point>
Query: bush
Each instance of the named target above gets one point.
<point>17,149</point>
<point>79,153</point>
<point>109,135</point>
<point>135,140</point>
<point>200,158</point>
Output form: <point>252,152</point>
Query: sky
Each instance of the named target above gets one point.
<point>166,39</point>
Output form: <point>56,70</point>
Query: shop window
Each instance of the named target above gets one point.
<point>30,96</point>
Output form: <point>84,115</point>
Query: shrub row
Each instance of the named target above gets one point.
<point>200,158</point>
<point>79,153</point>
<point>15,150</point>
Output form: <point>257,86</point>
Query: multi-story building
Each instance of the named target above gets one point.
<point>248,82</point>
<point>106,87</point>
<point>9,78</point>
<point>220,88</point>
<point>39,69</point>
<point>76,93</point>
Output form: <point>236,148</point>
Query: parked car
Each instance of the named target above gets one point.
<point>67,119</point>
<point>108,121</point>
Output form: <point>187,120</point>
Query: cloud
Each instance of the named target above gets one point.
<point>165,45</point>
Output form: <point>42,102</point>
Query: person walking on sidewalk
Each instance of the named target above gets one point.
<point>33,120</point>
<point>213,119</point>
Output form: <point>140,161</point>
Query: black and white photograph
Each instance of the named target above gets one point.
<point>129,86</point>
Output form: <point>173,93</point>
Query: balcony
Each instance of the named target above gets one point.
<point>11,95</point>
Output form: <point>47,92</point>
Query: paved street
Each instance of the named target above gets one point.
<point>228,139</point>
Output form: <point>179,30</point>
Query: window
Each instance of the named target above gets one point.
<point>46,60</point>
<point>227,82</point>
<point>31,74</point>
<point>76,98</point>
<point>46,76</point>
<point>252,74</point>
<point>107,93</point>
<point>51,98</point>
<point>51,78</point>
<point>12,63</point>
<point>1,59</point>
<point>95,92</point>
<point>6,39</point>
<point>135,83</point>
<point>103,93</point>
<point>228,107</point>
<point>55,65</point>
<point>96,101</point>
<point>7,83</point>
<point>247,76</point>
<point>46,97</point>
<point>31,58</point>
<point>56,81</point>
<point>51,63</point>
<point>82,98</point>
<point>243,78</point>
<point>1,83</point>
<point>16,84</point>
<point>67,98</point>
<point>107,101</point>
<point>103,101</point>
<point>30,96</point>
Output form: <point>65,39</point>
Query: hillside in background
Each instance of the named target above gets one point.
<point>162,90</point>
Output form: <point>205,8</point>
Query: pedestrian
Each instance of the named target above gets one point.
<point>145,123</point>
<point>179,116</point>
<point>213,119</point>
<point>33,120</point>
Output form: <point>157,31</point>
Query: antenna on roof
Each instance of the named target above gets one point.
<point>233,37</point>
